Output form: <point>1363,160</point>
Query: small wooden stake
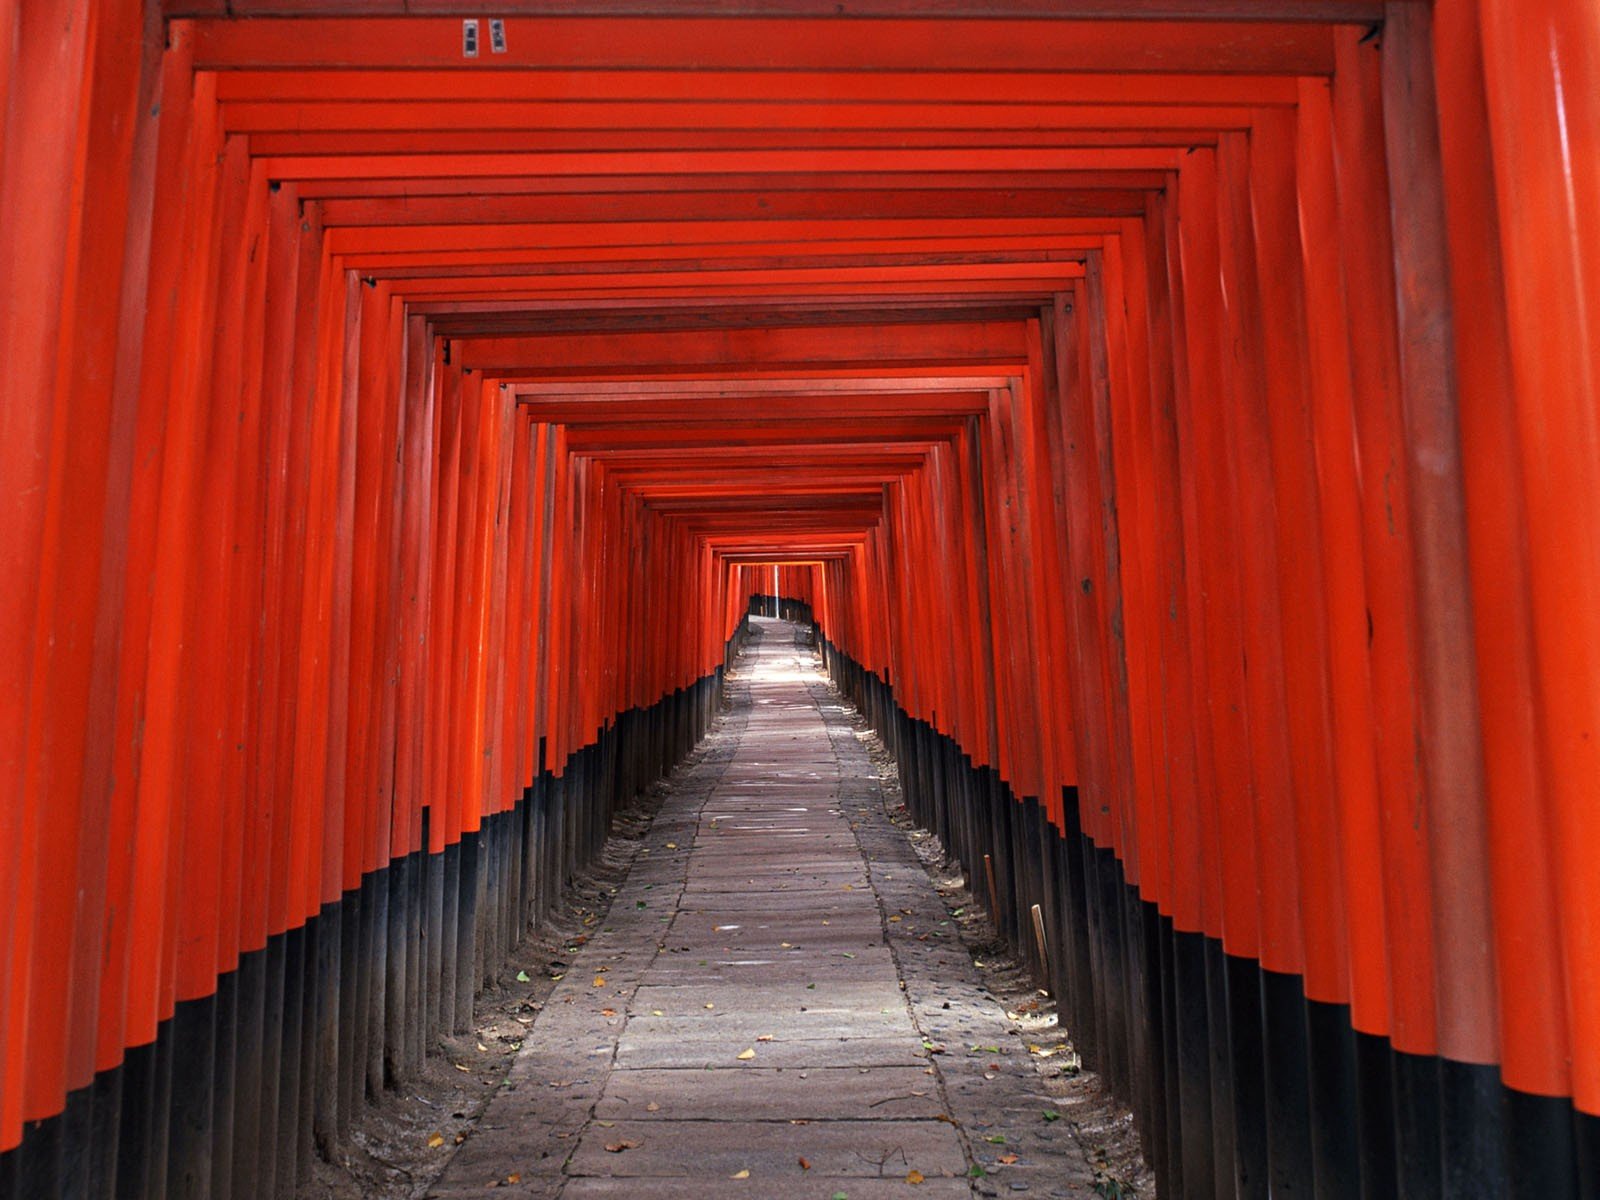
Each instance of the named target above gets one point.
<point>1038,937</point>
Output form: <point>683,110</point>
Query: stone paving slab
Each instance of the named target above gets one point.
<point>783,987</point>
<point>834,970</point>
<point>739,1030</point>
<point>818,926</point>
<point>842,966</point>
<point>732,872</point>
<point>804,1185</point>
<point>866,1047</point>
<point>710,964</point>
<point>787,1051</point>
<point>768,1149</point>
<point>761,904</point>
<point>766,1094</point>
<point>707,885</point>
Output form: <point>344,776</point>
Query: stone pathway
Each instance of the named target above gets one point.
<point>778,1004</point>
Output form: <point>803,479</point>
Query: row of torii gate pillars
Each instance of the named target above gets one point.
<point>1178,419</point>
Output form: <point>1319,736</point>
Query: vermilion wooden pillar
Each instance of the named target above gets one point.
<point>394,440</point>
<point>1539,70</point>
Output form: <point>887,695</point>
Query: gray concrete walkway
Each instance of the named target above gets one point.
<point>778,1004</point>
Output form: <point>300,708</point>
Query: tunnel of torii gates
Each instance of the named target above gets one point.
<point>1178,417</point>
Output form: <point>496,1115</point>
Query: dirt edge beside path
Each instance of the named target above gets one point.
<point>402,1144</point>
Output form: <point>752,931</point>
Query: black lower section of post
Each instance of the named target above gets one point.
<point>1241,1086</point>
<point>240,1087</point>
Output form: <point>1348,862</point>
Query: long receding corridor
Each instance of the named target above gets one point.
<point>779,1003</point>
<point>432,433</point>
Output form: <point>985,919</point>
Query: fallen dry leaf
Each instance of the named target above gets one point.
<point>652,1107</point>
<point>656,1012</point>
<point>599,981</point>
<point>514,1177</point>
<point>608,1012</point>
<point>805,1165</point>
<point>746,1055</point>
<point>1008,1159</point>
<point>709,1005</point>
<point>915,1176</point>
<point>765,1037</point>
<point>745,1174</point>
<point>435,1141</point>
<point>619,1147</point>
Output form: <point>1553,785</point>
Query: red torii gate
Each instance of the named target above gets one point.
<point>1216,376</point>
